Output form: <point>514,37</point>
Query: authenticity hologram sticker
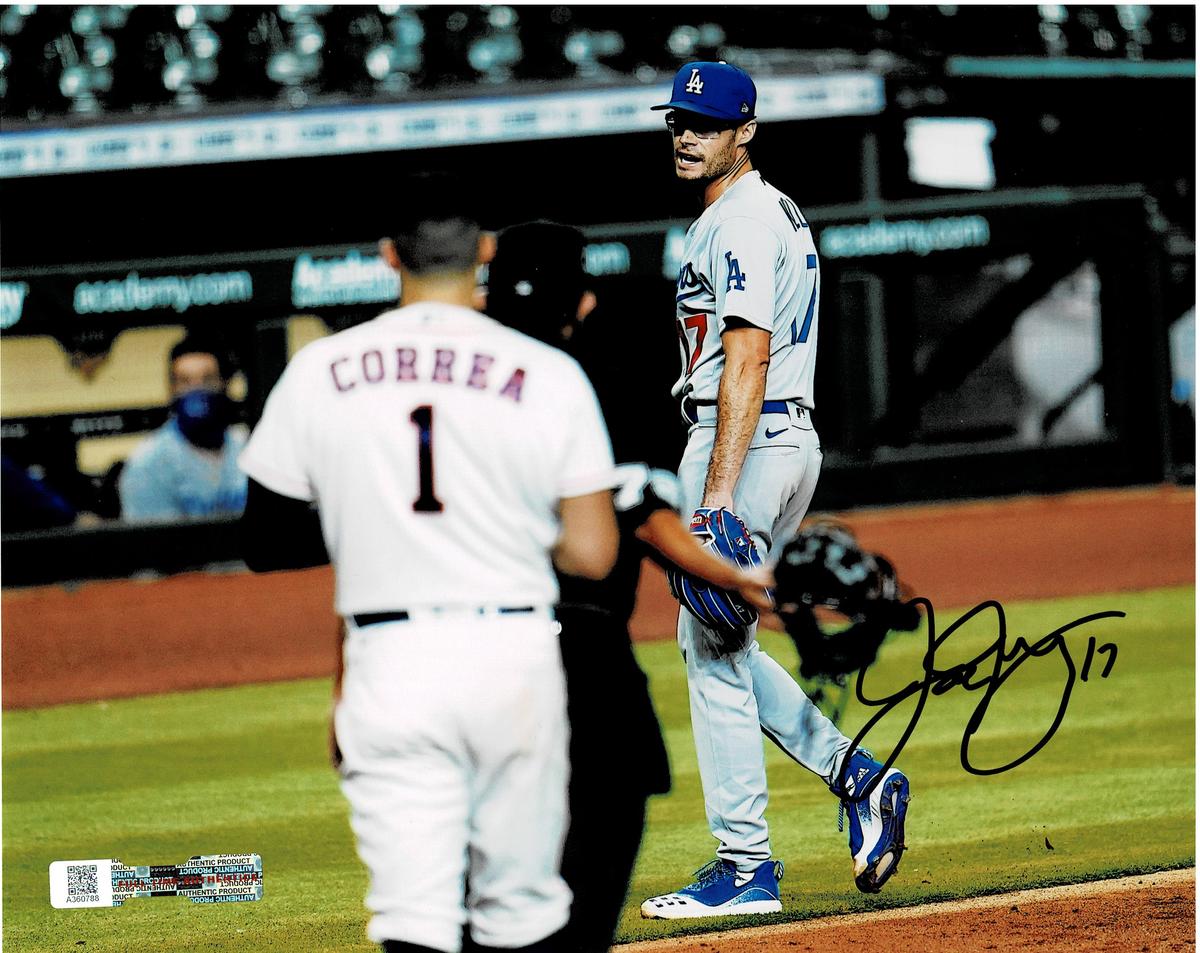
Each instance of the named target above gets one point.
<point>210,878</point>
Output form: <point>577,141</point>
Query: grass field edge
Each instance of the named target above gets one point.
<point>987,899</point>
<point>884,904</point>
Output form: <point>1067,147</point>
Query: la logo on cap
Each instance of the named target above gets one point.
<point>695,84</point>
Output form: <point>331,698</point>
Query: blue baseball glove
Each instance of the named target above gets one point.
<point>725,614</point>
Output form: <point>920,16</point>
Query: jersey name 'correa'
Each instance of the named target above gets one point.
<point>437,365</point>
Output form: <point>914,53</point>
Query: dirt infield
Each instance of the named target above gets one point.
<point>129,637</point>
<point>113,639</point>
<point>1154,912</point>
<point>1033,547</point>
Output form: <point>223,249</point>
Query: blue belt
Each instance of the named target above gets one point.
<point>769,407</point>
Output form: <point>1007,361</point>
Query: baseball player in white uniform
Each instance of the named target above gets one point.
<point>451,458</point>
<point>747,302</point>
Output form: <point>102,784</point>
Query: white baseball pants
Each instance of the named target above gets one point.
<point>454,736</point>
<point>735,699</point>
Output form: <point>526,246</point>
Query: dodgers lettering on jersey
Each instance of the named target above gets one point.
<point>437,444</point>
<point>750,255</point>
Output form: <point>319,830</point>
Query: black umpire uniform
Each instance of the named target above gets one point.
<point>536,284</point>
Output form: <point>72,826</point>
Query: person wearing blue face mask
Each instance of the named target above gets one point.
<point>188,467</point>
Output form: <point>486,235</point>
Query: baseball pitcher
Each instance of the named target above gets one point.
<point>537,284</point>
<point>747,305</point>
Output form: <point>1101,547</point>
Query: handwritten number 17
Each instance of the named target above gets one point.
<point>1107,649</point>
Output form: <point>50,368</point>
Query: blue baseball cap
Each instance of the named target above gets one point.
<point>717,90</point>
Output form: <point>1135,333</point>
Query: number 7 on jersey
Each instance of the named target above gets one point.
<point>697,323</point>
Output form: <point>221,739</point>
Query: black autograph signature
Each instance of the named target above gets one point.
<point>989,670</point>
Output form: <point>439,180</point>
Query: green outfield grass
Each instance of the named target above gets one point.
<point>157,779</point>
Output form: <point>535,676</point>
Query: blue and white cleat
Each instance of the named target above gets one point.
<point>876,819</point>
<point>716,893</point>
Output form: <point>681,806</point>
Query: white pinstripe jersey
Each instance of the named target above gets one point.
<point>750,255</point>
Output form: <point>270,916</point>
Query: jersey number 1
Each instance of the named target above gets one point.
<point>427,502</point>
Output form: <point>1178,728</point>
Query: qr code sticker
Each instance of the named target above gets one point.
<point>82,880</point>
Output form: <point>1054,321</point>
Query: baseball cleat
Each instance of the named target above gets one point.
<point>876,819</point>
<point>716,893</point>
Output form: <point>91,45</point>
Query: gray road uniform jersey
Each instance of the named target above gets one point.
<point>750,255</point>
